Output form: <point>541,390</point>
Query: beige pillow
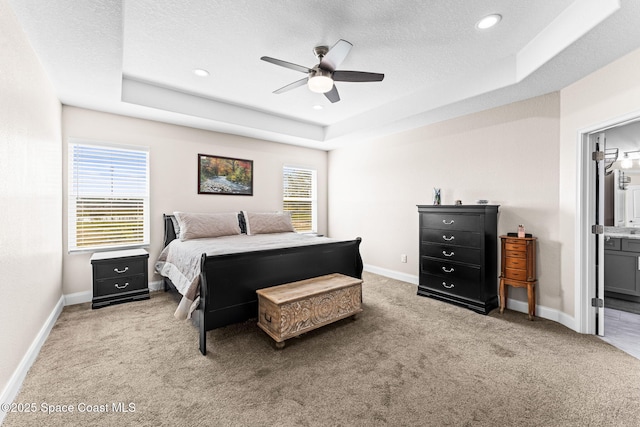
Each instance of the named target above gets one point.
<point>201,225</point>
<point>264,223</point>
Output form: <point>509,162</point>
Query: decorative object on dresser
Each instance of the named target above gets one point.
<point>518,269</point>
<point>288,310</point>
<point>119,276</point>
<point>458,255</point>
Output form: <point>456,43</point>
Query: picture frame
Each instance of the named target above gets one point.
<point>224,175</point>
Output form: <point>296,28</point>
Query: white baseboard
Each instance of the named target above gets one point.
<point>515,305</point>
<point>543,312</point>
<point>15,382</point>
<point>158,285</point>
<point>404,277</point>
<point>78,298</point>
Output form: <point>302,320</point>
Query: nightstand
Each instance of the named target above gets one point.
<point>518,269</point>
<point>119,276</point>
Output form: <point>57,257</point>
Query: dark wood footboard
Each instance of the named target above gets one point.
<point>229,282</point>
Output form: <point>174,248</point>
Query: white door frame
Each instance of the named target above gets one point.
<point>585,275</point>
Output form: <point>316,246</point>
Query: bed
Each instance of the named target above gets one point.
<point>224,287</point>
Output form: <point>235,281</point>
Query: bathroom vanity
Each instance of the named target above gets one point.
<point>622,263</point>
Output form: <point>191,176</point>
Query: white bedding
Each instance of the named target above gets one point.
<point>180,260</point>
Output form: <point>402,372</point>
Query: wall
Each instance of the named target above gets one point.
<point>173,175</point>
<point>601,97</point>
<point>508,155</point>
<point>30,198</point>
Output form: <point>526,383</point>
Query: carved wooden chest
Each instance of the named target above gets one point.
<point>292,309</point>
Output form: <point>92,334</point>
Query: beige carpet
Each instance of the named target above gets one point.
<point>406,361</point>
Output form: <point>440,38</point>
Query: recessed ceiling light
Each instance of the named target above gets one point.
<point>318,107</point>
<point>488,21</point>
<point>200,72</point>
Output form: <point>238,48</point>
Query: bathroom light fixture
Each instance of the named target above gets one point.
<point>488,21</point>
<point>627,162</point>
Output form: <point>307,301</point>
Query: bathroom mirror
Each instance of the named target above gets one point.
<point>626,197</point>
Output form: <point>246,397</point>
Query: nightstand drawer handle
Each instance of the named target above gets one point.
<point>444,221</point>
<point>121,271</point>
<point>448,239</point>
<point>123,286</point>
<point>448,254</point>
<point>451,270</point>
<point>447,286</point>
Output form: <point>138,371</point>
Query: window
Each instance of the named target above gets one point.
<point>300,197</point>
<point>108,196</point>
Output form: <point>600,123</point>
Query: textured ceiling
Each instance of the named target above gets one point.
<point>136,58</point>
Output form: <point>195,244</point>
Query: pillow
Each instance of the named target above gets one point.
<point>201,225</point>
<point>264,223</point>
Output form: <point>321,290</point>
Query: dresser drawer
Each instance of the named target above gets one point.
<point>511,245</point>
<point>611,244</point>
<point>120,267</point>
<point>515,254</point>
<point>630,245</point>
<point>516,263</point>
<point>449,270</point>
<point>454,287</point>
<point>515,274</point>
<point>447,221</point>
<point>452,253</point>
<point>119,285</point>
<point>453,237</point>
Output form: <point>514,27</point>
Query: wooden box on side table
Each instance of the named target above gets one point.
<point>288,310</point>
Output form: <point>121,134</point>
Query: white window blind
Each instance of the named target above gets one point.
<point>108,197</point>
<point>300,197</point>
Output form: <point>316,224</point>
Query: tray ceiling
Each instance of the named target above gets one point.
<point>137,58</point>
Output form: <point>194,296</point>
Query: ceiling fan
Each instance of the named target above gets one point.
<point>321,78</point>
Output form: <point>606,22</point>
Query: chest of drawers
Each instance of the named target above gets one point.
<point>119,276</point>
<point>518,269</point>
<point>458,255</point>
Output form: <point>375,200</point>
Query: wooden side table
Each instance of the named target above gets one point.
<point>518,269</point>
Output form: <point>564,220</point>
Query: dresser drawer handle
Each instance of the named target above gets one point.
<point>448,254</point>
<point>121,271</point>
<point>123,286</point>
<point>451,270</point>
<point>448,239</point>
<point>447,286</point>
<point>444,221</point>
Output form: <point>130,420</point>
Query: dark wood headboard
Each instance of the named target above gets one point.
<point>169,231</point>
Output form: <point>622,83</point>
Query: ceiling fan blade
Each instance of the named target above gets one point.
<point>333,95</point>
<point>336,55</point>
<point>290,86</point>
<point>286,64</point>
<point>356,76</point>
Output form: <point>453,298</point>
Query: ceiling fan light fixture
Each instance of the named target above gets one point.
<point>488,21</point>
<point>320,84</point>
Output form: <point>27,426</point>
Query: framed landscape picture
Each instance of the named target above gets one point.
<point>224,175</point>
